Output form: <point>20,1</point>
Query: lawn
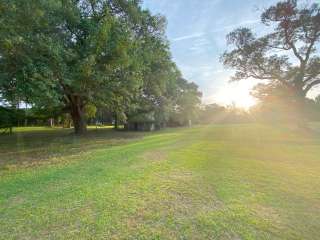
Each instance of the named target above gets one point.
<point>208,182</point>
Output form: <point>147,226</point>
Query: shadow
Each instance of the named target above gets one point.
<point>40,146</point>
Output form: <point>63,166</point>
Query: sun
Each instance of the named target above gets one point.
<point>237,94</point>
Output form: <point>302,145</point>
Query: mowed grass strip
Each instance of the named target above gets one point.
<point>35,146</point>
<point>210,182</point>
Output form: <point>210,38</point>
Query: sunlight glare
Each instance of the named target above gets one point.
<point>237,93</point>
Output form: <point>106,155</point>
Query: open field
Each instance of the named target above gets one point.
<point>208,182</point>
<point>41,145</point>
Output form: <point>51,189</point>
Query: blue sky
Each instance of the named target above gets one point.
<point>196,31</point>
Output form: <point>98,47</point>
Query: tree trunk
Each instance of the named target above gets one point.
<point>78,117</point>
<point>116,121</point>
<point>51,122</point>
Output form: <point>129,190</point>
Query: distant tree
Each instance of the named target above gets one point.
<point>157,74</point>
<point>160,80</point>
<point>212,113</point>
<point>317,101</point>
<point>90,111</point>
<point>215,113</point>
<point>286,59</point>
<point>187,102</point>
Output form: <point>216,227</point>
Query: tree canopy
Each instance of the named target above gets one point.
<point>286,58</point>
<point>70,54</point>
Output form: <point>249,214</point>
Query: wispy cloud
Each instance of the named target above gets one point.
<point>190,36</point>
<point>199,35</point>
<point>201,42</point>
<point>243,23</point>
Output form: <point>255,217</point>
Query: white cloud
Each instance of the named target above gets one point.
<point>243,23</point>
<point>203,41</point>
<point>190,36</point>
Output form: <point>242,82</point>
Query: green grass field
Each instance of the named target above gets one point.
<point>209,182</point>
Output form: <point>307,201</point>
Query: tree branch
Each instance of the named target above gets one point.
<point>310,77</point>
<point>313,41</point>
<point>292,46</point>
<point>311,85</point>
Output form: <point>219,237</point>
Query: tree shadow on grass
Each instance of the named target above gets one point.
<point>31,148</point>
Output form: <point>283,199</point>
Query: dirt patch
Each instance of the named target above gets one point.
<point>155,155</point>
<point>268,214</point>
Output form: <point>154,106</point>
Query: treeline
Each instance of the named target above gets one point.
<point>276,111</point>
<point>72,58</point>
<point>268,112</point>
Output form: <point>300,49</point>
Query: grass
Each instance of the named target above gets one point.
<point>47,129</point>
<point>42,145</point>
<point>209,182</point>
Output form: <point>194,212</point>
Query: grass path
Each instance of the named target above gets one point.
<point>217,182</point>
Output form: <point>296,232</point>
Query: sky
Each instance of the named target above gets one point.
<point>197,32</point>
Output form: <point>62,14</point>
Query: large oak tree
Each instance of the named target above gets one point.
<point>71,53</point>
<point>286,58</point>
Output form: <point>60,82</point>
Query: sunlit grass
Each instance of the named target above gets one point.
<point>211,182</point>
<point>35,129</point>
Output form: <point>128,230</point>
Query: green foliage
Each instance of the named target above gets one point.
<point>187,102</point>
<point>90,111</point>
<point>286,59</point>
<point>5,116</point>
<point>164,93</point>
<point>67,54</point>
<point>12,116</point>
